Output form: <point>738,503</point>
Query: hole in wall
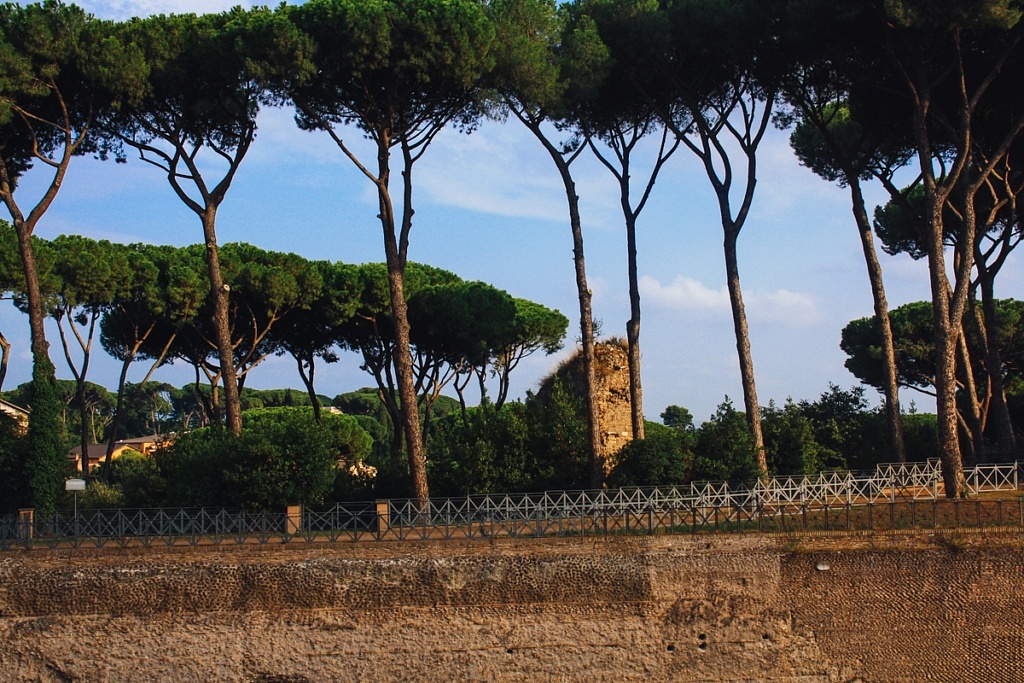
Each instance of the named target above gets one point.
<point>510,651</point>
<point>702,647</point>
<point>671,648</point>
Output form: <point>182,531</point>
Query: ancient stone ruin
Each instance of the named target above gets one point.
<point>611,371</point>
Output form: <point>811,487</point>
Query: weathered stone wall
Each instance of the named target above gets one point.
<point>723,608</point>
<point>611,394</point>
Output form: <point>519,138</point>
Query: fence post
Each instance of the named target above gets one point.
<point>383,518</point>
<point>26,525</point>
<point>294,524</point>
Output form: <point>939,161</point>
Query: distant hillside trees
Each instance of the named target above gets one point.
<point>540,444</point>
<point>149,304</point>
<point>917,369</point>
<point>925,91</point>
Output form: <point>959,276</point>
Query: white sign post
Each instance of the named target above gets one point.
<point>75,485</point>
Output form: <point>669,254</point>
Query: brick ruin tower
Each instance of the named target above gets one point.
<point>611,374</point>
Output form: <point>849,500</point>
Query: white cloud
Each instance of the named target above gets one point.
<point>784,186</point>
<point>782,306</point>
<point>126,9</point>
<point>688,295</point>
<point>495,170</point>
<point>684,294</point>
<point>278,137</point>
<point>501,169</point>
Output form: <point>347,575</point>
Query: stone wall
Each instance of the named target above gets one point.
<point>722,608</point>
<point>611,394</point>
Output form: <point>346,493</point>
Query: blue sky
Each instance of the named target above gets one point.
<point>490,206</point>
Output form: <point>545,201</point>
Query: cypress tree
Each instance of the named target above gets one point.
<point>46,463</point>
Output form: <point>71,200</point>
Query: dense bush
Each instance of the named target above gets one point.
<point>850,435</point>
<point>921,436</point>
<point>725,448</point>
<point>790,446</point>
<point>13,449</point>
<point>283,456</point>
<point>559,441</point>
<point>664,457</point>
<point>133,480</point>
<point>139,478</point>
<point>192,467</point>
<point>487,451</point>
<point>542,444</point>
<point>98,495</point>
<point>535,445</point>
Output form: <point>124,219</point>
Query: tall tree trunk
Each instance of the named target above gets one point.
<point>219,294</point>
<point>5,355</point>
<point>946,339</point>
<point>47,462</point>
<point>739,320</point>
<point>406,383</point>
<point>972,414</point>
<point>395,250</point>
<point>307,380</point>
<point>622,144</point>
<point>597,465</point>
<point>1006,440</point>
<point>718,169</point>
<point>36,314</point>
<point>633,326</point>
<point>893,414</point>
<point>920,86</point>
<point>597,472</point>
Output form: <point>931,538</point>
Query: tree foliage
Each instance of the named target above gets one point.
<point>725,449</point>
<point>664,457</point>
<point>284,456</point>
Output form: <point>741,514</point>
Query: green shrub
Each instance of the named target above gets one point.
<point>790,446</point>
<point>193,467</point>
<point>140,480</point>
<point>486,452</point>
<point>921,436</point>
<point>13,450</point>
<point>663,458</point>
<point>725,447</point>
<point>98,495</point>
<point>535,445</point>
<point>284,456</point>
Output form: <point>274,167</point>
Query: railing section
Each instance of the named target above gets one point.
<point>894,496</point>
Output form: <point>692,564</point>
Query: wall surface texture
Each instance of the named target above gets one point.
<point>707,608</point>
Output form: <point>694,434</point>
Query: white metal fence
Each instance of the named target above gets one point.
<point>894,495</point>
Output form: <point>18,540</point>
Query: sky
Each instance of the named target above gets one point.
<point>490,206</point>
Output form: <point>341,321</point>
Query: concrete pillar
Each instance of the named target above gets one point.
<point>26,523</point>
<point>294,519</point>
<point>383,517</point>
